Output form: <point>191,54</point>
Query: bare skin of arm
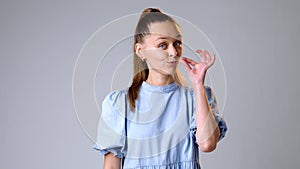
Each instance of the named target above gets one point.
<point>111,162</point>
<point>207,128</point>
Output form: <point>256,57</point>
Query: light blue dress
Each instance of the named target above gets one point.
<point>160,134</point>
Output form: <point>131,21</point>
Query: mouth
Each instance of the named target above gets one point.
<point>173,62</point>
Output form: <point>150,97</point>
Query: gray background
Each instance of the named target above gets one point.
<point>40,41</point>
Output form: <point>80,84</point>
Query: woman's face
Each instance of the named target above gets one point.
<point>162,48</point>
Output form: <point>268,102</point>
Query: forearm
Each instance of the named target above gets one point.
<point>207,128</point>
<point>111,161</point>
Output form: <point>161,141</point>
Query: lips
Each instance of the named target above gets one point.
<point>172,61</point>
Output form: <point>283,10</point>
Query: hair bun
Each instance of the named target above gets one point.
<point>154,10</point>
<point>149,10</point>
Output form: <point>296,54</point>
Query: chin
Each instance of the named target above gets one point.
<point>168,72</point>
<point>171,73</point>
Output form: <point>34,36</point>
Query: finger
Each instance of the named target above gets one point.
<point>199,51</point>
<point>203,57</point>
<point>207,55</point>
<point>191,61</point>
<point>187,66</point>
<point>213,58</point>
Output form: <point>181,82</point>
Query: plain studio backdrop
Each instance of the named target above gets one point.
<point>258,44</point>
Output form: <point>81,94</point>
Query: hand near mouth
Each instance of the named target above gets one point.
<point>197,71</point>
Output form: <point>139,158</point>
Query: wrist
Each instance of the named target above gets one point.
<point>199,88</point>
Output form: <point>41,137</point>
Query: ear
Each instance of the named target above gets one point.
<point>138,50</point>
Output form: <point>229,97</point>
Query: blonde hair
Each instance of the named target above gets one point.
<point>140,68</point>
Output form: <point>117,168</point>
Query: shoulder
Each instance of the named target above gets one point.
<point>114,106</point>
<point>115,96</point>
<point>114,102</point>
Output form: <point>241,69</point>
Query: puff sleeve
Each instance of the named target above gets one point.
<point>111,128</point>
<point>214,108</point>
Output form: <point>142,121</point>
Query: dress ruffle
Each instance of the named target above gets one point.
<point>179,165</point>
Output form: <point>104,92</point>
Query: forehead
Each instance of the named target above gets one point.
<point>165,29</point>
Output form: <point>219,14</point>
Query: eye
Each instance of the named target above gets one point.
<point>177,44</point>
<point>163,45</point>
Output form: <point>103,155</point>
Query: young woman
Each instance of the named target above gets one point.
<point>158,122</point>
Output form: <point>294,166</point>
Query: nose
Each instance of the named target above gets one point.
<point>172,51</point>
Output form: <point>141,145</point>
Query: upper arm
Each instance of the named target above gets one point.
<point>111,161</point>
<point>111,136</point>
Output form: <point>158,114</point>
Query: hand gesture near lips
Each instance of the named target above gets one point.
<point>197,71</point>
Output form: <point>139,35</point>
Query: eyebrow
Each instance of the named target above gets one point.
<point>178,36</point>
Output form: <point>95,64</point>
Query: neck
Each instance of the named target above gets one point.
<point>158,79</point>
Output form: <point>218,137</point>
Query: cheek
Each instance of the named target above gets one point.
<point>156,55</point>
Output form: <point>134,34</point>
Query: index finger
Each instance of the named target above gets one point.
<point>191,61</point>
